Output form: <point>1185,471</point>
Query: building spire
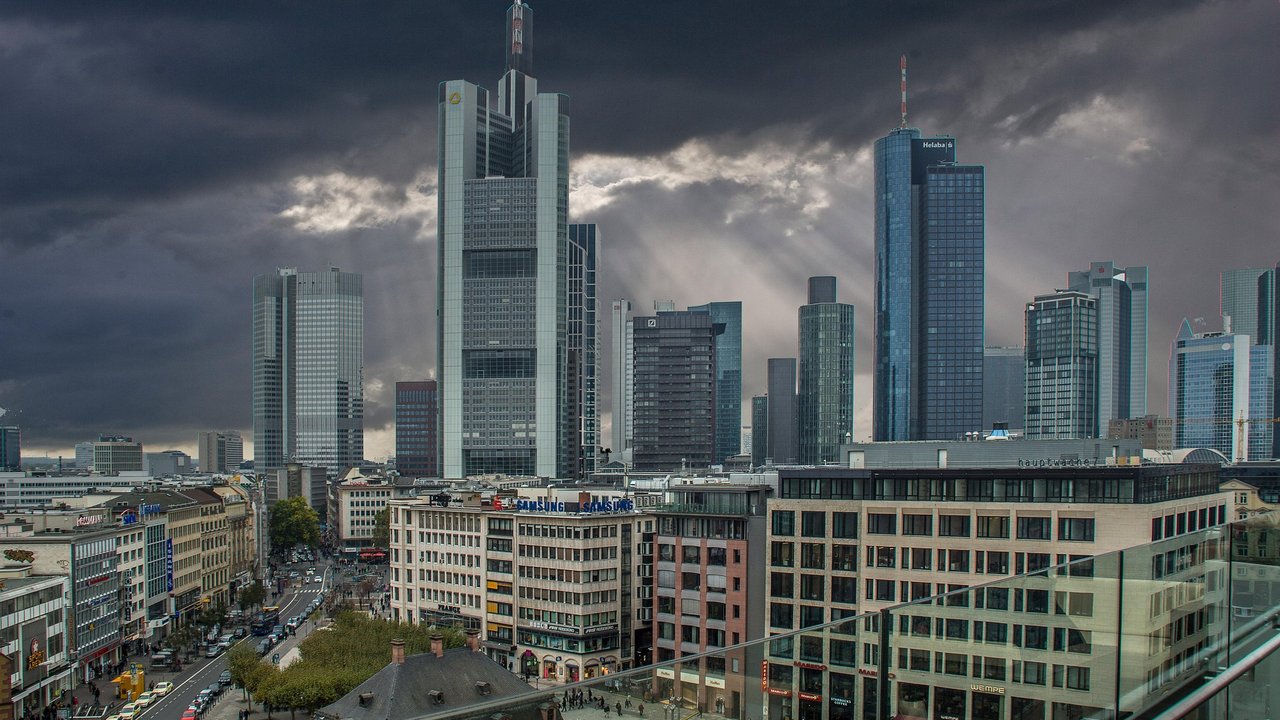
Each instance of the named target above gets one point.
<point>519,38</point>
<point>902,65</point>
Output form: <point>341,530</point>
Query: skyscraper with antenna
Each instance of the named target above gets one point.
<point>930,235</point>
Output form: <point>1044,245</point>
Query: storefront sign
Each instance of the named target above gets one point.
<point>168,563</point>
<point>666,673</point>
<point>85,520</point>
<point>715,682</point>
<point>1057,462</point>
<point>841,701</point>
<point>689,677</point>
<point>809,665</point>
<point>559,506</point>
<point>150,509</point>
<point>987,689</point>
<point>764,675</point>
<point>810,697</point>
<point>128,517</point>
<point>779,693</point>
<point>873,673</point>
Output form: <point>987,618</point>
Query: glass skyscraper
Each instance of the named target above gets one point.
<point>308,369</point>
<point>930,235</point>
<point>1004,387</point>
<point>728,375</point>
<point>825,398</point>
<point>1062,367</point>
<point>675,391</point>
<point>1220,387</point>
<point>510,368</point>
<point>417,433</point>
<point>621,376</point>
<point>783,439</point>
<point>583,330</point>
<point>759,429</point>
<point>1248,304</point>
<point>1121,293</point>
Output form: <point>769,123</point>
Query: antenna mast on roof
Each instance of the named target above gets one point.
<point>902,65</point>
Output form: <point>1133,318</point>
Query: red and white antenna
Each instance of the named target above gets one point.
<point>902,65</point>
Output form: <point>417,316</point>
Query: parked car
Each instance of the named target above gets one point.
<point>190,714</point>
<point>240,632</point>
<point>213,651</point>
<point>225,678</point>
<point>215,689</point>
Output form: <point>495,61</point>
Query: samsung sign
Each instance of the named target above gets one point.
<point>559,506</point>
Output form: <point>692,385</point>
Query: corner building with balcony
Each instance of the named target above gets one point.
<point>558,579</point>
<point>1043,643</point>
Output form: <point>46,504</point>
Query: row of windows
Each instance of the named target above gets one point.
<point>845,525</point>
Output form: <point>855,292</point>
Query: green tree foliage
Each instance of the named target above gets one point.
<point>252,595</point>
<point>294,522</point>
<point>382,528</point>
<point>243,664</point>
<point>184,637</point>
<point>213,615</point>
<point>335,660</point>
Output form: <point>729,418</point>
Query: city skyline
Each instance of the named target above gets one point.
<point>128,292</point>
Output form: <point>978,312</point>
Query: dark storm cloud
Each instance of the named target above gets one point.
<point>150,153</point>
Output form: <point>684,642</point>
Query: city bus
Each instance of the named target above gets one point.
<point>267,619</point>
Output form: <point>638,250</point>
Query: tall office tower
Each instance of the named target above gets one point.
<point>621,375</point>
<point>759,430</point>
<point>508,390</point>
<point>308,369</point>
<point>1248,304</point>
<point>584,330</point>
<point>784,442</point>
<point>219,451</point>
<point>728,376</point>
<point>1004,380</point>
<point>930,231</point>
<point>1217,384</point>
<point>417,431</point>
<point>675,391</point>
<point>825,400</point>
<point>1062,367</point>
<point>10,447</point>
<point>1122,338</point>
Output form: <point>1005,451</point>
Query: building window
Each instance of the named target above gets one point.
<point>844,525</point>
<point>1033,528</point>
<point>784,522</point>
<point>1079,529</point>
<point>813,556</point>
<point>781,585</point>
<point>780,616</point>
<point>993,526</point>
<point>953,526</point>
<point>882,524</point>
<point>813,524</point>
<point>919,525</point>
<point>782,554</point>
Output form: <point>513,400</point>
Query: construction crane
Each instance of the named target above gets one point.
<point>1241,423</point>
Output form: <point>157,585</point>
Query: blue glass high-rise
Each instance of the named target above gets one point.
<point>728,375</point>
<point>930,234</point>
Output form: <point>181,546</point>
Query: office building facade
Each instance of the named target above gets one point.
<point>1155,432</point>
<point>1062,366</point>
<point>759,429</point>
<point>508,398</point>
<point>220,451</point>
<point>308,369</point>
<point>1121,293</point>
<point>728,375</point>
<point>783,416</point>
<point>114,454</point>
<point>675,391</point>
<point>1248,304</point>
<point>930,233</point>
<point>584,331</point>
<point>621,374</point>
<point>10,448</point>
<point>824,404</point>
<point>1004,387</point>
<point>1220,387</point>
<point>417,431</point>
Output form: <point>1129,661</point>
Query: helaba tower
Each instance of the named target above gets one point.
<point>509,369</point>
<point>930,235</point>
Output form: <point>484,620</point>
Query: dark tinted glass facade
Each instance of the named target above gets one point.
<point>784,441</point>
<point>728,375</point>
<point>1062,367</point>
<point>825,398</point>
<point>759,429</point>
<point>1004,374</point>
<point>417,436</point>
<point>930,251</point>
<point>675,391</point>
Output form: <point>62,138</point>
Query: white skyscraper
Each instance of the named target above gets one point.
<point>622,368</point>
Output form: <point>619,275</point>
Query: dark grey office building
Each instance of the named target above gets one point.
<point>1121,293</point>
<point>417,429</point>
<point>825,399</point>
<point>675,391</point>
<point>584,327</point>
<point>728,375</point>
<point>1062,367</point>
<point>10,447</point>
<point>759,429</point>
<point>1004,378</point>
<point>930,232</point>
<point>784,441</point>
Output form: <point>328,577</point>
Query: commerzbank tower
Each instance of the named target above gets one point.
<point>516,297</point>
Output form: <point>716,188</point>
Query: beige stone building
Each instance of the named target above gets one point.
<point>241,535</point>
<point>215,548</point>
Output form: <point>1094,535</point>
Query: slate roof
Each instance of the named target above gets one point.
<point>400,692</point>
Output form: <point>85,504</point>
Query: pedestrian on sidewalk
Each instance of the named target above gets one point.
<point>618,707</point>
<point>640,707</point>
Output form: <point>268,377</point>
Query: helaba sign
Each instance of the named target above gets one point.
<point>938,144</point>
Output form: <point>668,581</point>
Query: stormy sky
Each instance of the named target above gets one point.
<point>154,157</point>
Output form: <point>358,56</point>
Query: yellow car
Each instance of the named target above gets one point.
<point>162,688</point>
<point>144,700</point>
<point>130,711</point>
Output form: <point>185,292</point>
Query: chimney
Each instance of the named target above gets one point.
<point>473,640</point>
<point>437,644</point>
<point>397,651</point>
